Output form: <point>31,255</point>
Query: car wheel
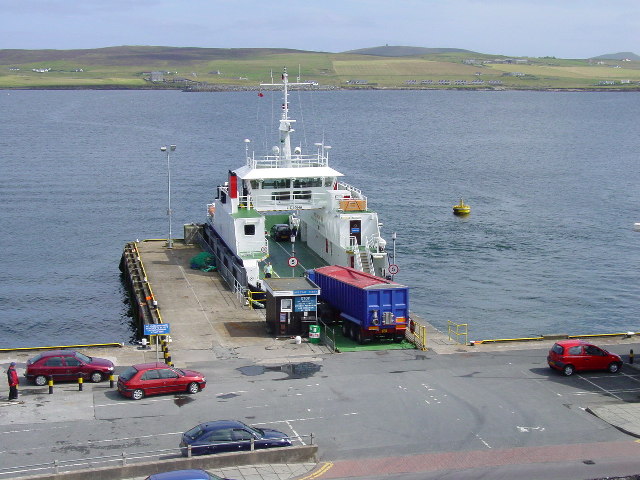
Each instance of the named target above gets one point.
<point>137,394</point>
<point>40,380</point>
<point>614,367</point>
<point>568,370</point>
<point>193,388</point>
<point>96,377</point>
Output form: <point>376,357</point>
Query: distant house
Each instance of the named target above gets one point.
<point>157,76</point>
<point>357,82</point>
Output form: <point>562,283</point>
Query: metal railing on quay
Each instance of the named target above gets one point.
<point>417,334</point>
<point>458,330</point>
<point>328,336</point>
<point>120,460</point>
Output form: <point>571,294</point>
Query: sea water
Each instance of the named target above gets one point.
<point>552,179</point>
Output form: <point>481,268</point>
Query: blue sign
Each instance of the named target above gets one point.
<point>305,304</point>
<point>307,292</point>
<point>156,329</point>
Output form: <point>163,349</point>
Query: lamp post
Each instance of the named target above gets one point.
<point>171,148</point>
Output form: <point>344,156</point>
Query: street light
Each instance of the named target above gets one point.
<point>172,148</point>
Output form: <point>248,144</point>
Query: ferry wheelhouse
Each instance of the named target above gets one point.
<point>329,220</point>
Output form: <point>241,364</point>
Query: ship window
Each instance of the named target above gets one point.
<point>255,184</point>
<point>276,183</point>
<point>249,229</point>
<point>302,194</point>
<point>307,182</point>
<point>280,196</point>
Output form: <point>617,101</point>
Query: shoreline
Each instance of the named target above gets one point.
<point>240,88</point>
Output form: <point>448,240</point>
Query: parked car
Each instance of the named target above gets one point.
<point>185,475</point>
<point>67,365</point>
<point>230,436</point>
<point>145,379</point>
<point>281,232</point>
<point>571,356</point>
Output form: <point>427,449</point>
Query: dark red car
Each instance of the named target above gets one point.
<point>145,379</point>
<point>67,365</point>
<point>571,356</point>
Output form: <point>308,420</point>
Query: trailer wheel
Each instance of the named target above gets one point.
<point>345,328</point>
<point>359,337</point>
<point>352,332</point>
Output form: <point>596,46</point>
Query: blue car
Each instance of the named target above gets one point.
<point>230,436</point>
<point>185,475</point>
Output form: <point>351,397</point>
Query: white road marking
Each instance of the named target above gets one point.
<point>482,440</point>
<point>598,386</point>
<point>529,429</point>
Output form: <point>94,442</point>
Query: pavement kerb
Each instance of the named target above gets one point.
<point>283,455</point>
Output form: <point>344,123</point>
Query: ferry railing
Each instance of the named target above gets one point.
<point>288,201</point>
<point>121,459</point>
<point>295,161</point>
<point>351,188</point>
<point>457,330</point>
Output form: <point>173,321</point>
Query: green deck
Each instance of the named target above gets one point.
<point>280,252</point>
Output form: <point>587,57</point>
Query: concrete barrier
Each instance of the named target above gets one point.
<point>294,454</point>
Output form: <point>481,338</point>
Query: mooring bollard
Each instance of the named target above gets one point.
<point>50,381</point>
<point>80,382</point>
<point>631,356</point>
<point>111,380</point>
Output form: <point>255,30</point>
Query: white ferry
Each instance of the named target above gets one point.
<point>329,221</point>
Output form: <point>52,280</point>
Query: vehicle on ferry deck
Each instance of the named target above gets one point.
<point>185,475</point>
<point>230,436</point>
<point>64,365</point>
<point>281,232</point>
<point>569,356</point>
<point>139,381</point>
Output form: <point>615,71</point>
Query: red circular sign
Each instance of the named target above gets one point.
<point>393,269</point>
<point>293,261</point>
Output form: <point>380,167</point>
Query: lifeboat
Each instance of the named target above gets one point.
<point>461,208</point>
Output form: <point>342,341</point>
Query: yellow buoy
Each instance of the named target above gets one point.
<point>461,208</point>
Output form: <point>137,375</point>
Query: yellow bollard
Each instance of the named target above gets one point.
<point>80,382</point>
<point>50,382</point>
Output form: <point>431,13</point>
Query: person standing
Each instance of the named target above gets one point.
<point>268,270</point>
<point>13,380</point>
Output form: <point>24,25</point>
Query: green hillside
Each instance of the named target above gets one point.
<point>378,67</point>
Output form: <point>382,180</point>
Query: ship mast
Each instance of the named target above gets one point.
<point>285,122</point>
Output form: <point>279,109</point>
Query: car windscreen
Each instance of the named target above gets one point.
<point>34,359</point>
<point>195,433</point>
<point>83,357</point>
<point>128,373</point>
<point>557,349</point>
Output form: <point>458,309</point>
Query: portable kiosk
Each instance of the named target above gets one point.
<point>291,305</point>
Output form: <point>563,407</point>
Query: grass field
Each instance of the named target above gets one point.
<point>130,67</point>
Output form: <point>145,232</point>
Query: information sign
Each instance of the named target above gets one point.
<point>156,329</point>
<point>305,304</point>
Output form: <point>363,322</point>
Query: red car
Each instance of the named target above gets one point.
<point>67,365</point>
<point>145,379</point>
<point>571,356</point>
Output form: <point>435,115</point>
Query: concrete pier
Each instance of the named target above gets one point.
<point>207,320</point>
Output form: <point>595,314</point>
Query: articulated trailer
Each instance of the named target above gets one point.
<point>370,307</point>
